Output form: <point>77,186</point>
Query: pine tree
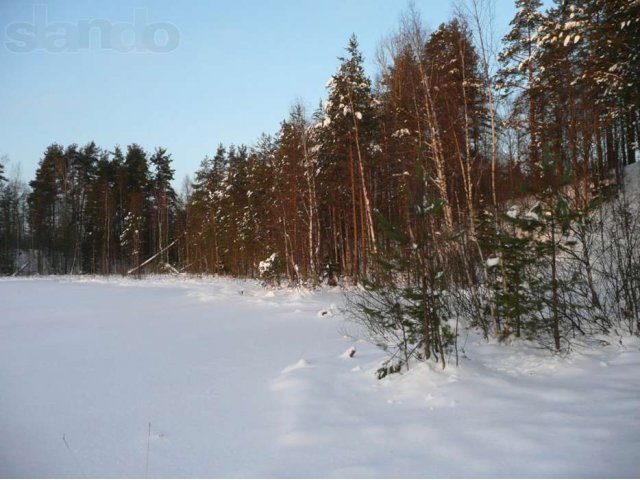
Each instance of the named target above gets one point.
<point>164,197</point>
<point>202,212</point>
<point>101,217</point>
<point>83,166</point>
<point>136,203</point>
<point>293,167</point>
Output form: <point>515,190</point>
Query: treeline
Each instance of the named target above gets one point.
<point>410,182</point>
<point>436,125</point>
<point>90,210</point>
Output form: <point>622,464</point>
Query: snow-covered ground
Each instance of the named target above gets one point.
<point>238,381</point>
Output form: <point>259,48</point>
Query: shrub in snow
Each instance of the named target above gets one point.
<point>269,269</point>
<point>561,273</point>
<point>406,307</point>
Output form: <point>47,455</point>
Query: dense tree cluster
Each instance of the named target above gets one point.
<point>90,210</point>
<point>441,187</point>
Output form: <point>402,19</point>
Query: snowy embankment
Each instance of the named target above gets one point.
<point>237,381</point>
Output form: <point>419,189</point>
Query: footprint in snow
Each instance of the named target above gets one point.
<point>328,312</point>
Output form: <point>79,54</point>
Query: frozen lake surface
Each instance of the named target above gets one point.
<point>239,381</point>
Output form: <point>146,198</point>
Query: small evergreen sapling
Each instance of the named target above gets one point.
<point>405,308</point>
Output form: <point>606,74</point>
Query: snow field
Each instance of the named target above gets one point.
<point>238,381</point>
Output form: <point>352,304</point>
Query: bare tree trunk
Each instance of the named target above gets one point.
<point>367,203</point>
<point>484,54</point>
<point>533,124</point>
<point>465,167</point>
<point>355,266</point>
<point>311,191</point>
<point>554,288</point>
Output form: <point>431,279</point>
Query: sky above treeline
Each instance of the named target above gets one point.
<point>183,75</point>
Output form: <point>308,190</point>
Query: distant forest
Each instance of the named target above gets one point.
<point>421,173</point>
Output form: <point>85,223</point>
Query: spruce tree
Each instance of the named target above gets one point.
<point>512,274</point>
<point>43,207</point>
<point>346,136</point>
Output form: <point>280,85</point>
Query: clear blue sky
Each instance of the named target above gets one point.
<point>237,69</point>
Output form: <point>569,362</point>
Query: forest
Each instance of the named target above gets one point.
<point>467,178</point>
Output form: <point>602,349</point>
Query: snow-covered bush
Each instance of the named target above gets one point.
<point>269,269</point>
<point>563,273</point>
